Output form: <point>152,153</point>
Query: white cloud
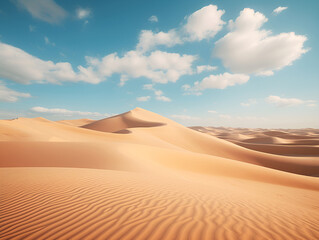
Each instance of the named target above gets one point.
<point>143,99</point>
<point>82,13</point>
<point>204,23</point>
<point>220,81</point>
<point>183,117</point>
<point>65,112</point>
<point>149,40</point>
<point>279,10</point>
<point>286,102</point>
<point>48,42</point>
<point>153,18</point>
<point>212,111</point>
<point>251,50</point>
<point>21,67</point>
<point>158,66</point>
<point>45,10</point>
<point>249,103</point>
<point>158,93</point>
<point>163,98</point>
<point>188,90</point>
<point>205,68</point>
<point>9,95</point>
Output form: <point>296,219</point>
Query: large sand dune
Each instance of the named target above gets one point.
<point>139,175</point>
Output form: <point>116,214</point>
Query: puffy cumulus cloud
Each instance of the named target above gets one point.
<point>21,67</point>
<point>153,18</point>
<point>143,99</point>
<point>66,112</point>
<point>205,68</point>
<point>82,13</point>
<point>286,102</point>
<point>220,81</point>
<point>160,67</point>
<point>149,40</point>
<point>251,50</point>
<point>45,10</point>
<point>159,95</point>
<point>9,95</point>
<point>279,10</point>
<point>204,23</point>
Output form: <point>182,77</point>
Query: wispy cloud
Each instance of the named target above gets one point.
<point>205,68</point>
<point>286,102</point>
<point>45,10</point>
<point>212,111</point>
<point>143,99</point>
<point>9,95</point>
<point>66,112</point>
<point>183,117</point>
<point>159,95</point>
<point>48,42</point>
<point>249,103</point>
<point>279,10</point>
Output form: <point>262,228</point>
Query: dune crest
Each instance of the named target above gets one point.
<point>124,121</point>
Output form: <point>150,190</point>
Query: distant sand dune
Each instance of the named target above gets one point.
<point>139,175</point>
<point>289,142</point>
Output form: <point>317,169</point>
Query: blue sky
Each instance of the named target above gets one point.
<point>213,63</point>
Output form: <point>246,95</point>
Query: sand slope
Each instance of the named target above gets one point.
<point>77,122</point>
<point>139,175</point>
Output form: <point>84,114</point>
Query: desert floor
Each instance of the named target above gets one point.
<point>139,175</point>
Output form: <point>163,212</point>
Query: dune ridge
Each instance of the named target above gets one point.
<point>139,175</point>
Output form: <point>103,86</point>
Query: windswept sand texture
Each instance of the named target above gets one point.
<point>139,175</point>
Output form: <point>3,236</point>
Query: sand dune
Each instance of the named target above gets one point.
<point>120,123</point>
<point>290,142</point>
<point>139,175</point>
